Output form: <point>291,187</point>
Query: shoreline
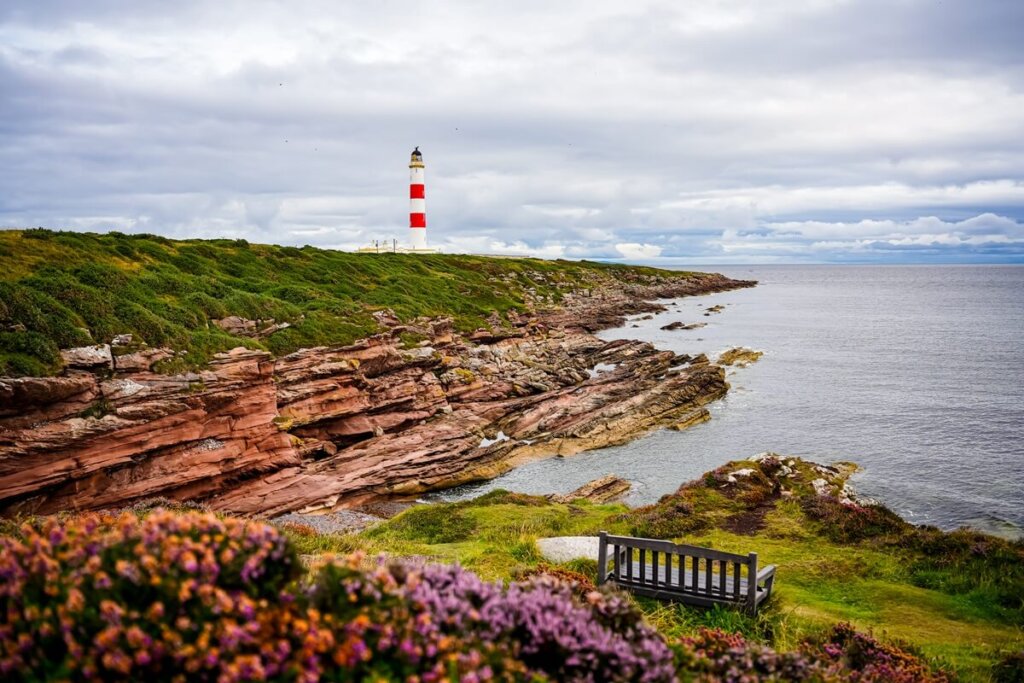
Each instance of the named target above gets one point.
<point>329,428</point>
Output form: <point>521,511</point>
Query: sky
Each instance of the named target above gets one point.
<point>701,132</point>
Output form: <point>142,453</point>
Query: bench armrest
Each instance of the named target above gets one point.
<point>767,575</point>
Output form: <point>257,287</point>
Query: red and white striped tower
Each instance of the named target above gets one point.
<point>417,203</point>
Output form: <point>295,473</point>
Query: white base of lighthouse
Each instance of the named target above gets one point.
<point>417,238</point>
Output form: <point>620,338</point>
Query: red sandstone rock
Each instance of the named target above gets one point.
<point>336,426</point>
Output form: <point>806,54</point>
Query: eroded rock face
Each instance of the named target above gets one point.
<point>326,428</point>
<point>123,439</point>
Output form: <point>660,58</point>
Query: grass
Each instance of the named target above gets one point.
<point>66,289</point>
<point>956,598</point>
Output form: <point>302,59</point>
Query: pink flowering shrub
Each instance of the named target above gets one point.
<point>194,597</point>
<point>844,656</point>
<point>441,619</point>
<point>172,596</point>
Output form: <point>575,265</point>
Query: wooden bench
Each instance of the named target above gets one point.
<point>683,573</point>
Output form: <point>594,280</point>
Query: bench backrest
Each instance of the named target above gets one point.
<point>674,568</point>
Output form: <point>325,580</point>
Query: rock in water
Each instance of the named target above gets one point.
<point>740,357</point>
<point>677,325</point>
<point>603,490</point>
<point>694,418</point>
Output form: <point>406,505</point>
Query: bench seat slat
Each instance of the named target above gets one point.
<point>722,587</point>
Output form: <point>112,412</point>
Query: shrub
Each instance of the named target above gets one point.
<point>1010,669</point>
<point>444,523</point>
<point>24,353</point>
<point>503,497</point>
<point>104,597</point>
<point>849,522</point>
<point>412,619</point>
<point>189,596</point>
<point>582,582</point>
<point>671,517</point>
<point>843,655</point>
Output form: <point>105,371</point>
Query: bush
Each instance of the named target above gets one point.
<point>417,618</point>
<point>104,597</point>
<point>671,517</point>
<point>177,596</point>
<point>1010,669</point>
<point>444,523</point>
<point>849,522</point>
<point>25,353</point>
<point>843,655</point>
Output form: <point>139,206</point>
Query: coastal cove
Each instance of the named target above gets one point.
<point>912,372</point>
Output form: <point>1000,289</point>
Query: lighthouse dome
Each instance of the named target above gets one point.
<point>416,155</point>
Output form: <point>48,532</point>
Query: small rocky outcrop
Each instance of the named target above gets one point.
<point>740,357</point>
<point>678,325</point>
<point>604,490</point>
<point>694,418</point>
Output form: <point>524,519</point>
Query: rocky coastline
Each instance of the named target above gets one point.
<point>336,427</point>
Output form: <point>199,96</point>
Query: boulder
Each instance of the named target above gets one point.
<point>566,548</point>
<point>677,325</point>
<point>141,361</point>
<point>238,326</point>
<point>604,490</point>
<point>740,357</point>
<point>88,357</point>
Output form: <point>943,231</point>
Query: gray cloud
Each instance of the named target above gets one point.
<point>770,130</point>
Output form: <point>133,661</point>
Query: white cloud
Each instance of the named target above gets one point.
<point>632,250</point>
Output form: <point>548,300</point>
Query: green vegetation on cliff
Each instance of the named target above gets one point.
<point>66,289</point>
<point>957,598</point>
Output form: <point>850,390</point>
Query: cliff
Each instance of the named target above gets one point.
<point>335,426</point>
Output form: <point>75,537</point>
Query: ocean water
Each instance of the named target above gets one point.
<point>916,373</point>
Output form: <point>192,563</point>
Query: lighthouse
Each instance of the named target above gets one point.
<point>417,204</point>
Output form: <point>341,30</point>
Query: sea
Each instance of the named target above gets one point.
<point>915,373</point>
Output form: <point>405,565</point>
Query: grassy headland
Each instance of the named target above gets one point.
<point>957,598</point>
<point>66,289</point>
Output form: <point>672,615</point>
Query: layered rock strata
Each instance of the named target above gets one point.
<point>334,427</point>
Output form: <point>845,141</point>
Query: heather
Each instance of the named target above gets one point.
<point>67,289</point>
<point>843,654</point>
<point>175,596</point>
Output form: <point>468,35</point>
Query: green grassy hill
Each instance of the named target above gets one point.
<point>67,289</point>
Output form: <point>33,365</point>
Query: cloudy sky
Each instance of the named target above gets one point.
<point>711,131</point>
